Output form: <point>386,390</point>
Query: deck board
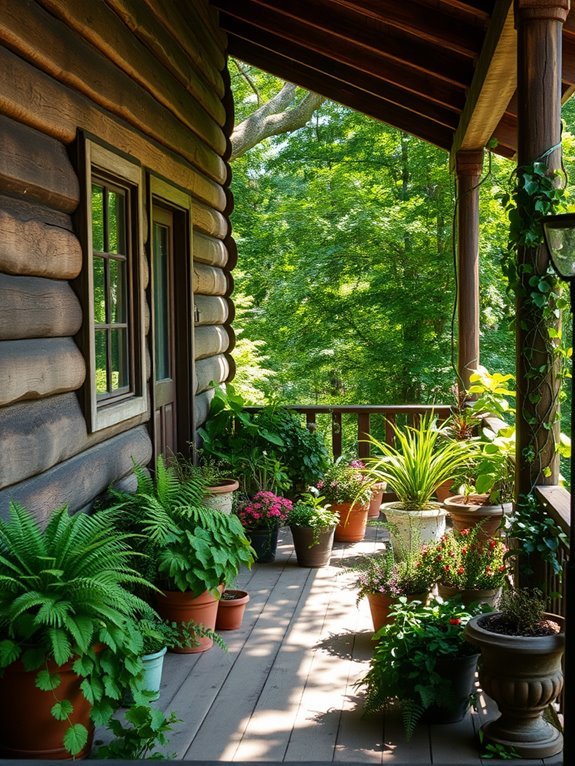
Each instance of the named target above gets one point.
<point>285,689</point>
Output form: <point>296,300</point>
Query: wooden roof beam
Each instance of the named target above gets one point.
<point>335,61</point>
<point>336,72</point>
<point>431,24</point>
<point>491,88</point>
<point>329,31</point>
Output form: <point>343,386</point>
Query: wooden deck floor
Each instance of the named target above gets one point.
<point>284,690</point>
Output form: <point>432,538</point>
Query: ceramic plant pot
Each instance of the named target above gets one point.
<point>264,542</point>
<point>231,608</point>
<point>523,675</point>
<point>409,530</point>
<point>175,606</point>
<point>380,604</point>
<point>460,672</point>
<point>309,554</point>
<point>352,522</point>
<point>470,595</point>
<point>152,678</point>
<point>221,497</point>
<point>466,513</point>
<point>28,730</point>
<point>376,499</point>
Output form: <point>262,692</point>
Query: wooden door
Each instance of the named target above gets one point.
<point>164,340</point>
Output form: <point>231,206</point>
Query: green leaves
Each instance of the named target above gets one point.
<point>75,738</point>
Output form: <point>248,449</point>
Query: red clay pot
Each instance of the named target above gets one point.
<point>376,500</point>
<point>380,605</point>
<point>231,610</point>
<point>28,730</point>
<point>352,522</point>
<point>176,606</point>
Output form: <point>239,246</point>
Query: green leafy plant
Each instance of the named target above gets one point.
<point>491,750</point>
<point>195,549</point>
<point>312,511</point>
<point>381,573</point>
<point>138,737</point>
<point>345,482</point>
<point>404,667</point>
<point>159,633</point>
<point>64,597</point>
<point>534,533</point>
<point>523,610</point>
<point>420,463</point>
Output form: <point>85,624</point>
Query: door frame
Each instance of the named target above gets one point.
<point>179,203</point>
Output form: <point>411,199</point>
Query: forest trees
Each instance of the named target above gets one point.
<point>345,275</point>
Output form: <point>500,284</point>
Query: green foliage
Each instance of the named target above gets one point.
<point>534,533</point>
<point>312,511</point>
<point>523,609</point>
<point>266,450</point>
<point>65,597</point>
<point>158,633</point>
<point>403,669</point>
<point>420,463</point>
<point>144,730</point>
<point>491,750</point>
<point>195,549</point>
<point>345,482</point>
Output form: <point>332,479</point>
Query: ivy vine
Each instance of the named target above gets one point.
<point>535,194</point>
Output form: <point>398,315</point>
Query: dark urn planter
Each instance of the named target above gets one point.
<point>264,541</point>
<point>309,554</point>
<point>523,675</point>
<point>460,672</point>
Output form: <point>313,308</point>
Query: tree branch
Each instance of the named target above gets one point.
<point>274,118</point>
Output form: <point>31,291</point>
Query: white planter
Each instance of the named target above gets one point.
<point>409,530</point>
<point>221,498</point>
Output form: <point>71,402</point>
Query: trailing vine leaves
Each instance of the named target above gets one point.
<point>535,194</point>
<point>535,534</point>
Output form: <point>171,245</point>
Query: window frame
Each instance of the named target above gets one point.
<point>106,166</point>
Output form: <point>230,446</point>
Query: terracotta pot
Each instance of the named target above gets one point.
<point>409,530</point>
<point>264,542</point>
<point>523,675</point>
<point>460,672</point>
<point>376,500</point>
<point>380,605</point>
<point>176,606</point>
<point>231,609</point>
<point>470,595</point>
<point>352,522</point>
<point>309,554</point>
<point>28,730</point>
<point>444,491</point>
<point>466,513</point>
<point>221,497</point>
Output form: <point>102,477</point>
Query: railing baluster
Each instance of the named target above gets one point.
<point>336,446</point>
<point>389,423</point>
<point>362,434</point>
<point>310,420</point>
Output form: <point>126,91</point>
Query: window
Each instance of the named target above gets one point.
<point>114,335</point>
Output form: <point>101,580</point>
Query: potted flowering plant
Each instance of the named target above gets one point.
<point>312,522</point>
<point>423,664</point>
<point>346,488</point>
<point>468,565</point>
<point>382,580</point>
<point>262,516</point>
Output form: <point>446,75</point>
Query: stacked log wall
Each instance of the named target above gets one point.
<point>144,77</point>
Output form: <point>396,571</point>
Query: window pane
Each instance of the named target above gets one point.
<point>101,381</point>
<point>161,306</point>
<point>120,374</point>
<point>117,277</point>
<point>98,218</point>
<point>116,223</point>
<point>99,291</point>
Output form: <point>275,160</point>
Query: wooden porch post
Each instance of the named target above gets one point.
<point>468,164</point>
<point>539,26</point>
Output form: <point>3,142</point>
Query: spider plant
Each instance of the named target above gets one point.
<point>419,464</point>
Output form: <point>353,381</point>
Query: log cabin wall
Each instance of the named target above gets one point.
<point>148,78</point>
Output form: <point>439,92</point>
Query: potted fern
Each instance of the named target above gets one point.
<point>421,462</point>
<point>69,640</point>
<point>196,552</point>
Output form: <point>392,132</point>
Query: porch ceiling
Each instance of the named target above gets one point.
<point>442,70</point>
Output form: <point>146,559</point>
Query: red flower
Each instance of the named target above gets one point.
<point>492,544</point>
<point>461,570</point>
<point>464,532</point>
<point>454,621</point>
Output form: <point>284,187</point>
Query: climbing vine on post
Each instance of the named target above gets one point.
<point>536,192</point>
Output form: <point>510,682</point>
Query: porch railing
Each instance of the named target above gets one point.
<point>366,419</point>
<point>554,502</point>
